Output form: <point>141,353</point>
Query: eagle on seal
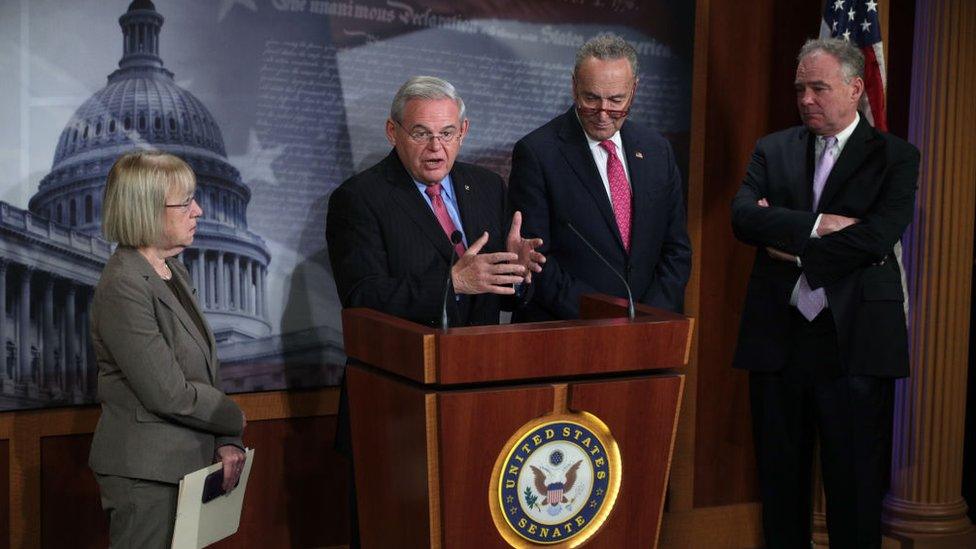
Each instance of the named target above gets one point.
<point>554,490</point>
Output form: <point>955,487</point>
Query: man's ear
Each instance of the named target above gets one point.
<point>857,88</point>
<point>391,131</point>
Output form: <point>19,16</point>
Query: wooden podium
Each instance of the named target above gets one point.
<point>432,410</point>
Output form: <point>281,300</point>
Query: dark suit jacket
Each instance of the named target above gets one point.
<point>389,253</point>
<point>162,411</point>
<point>554,179</point>
<point>874,180</point>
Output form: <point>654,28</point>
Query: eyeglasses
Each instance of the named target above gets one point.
<point>183,206</point>
<point>421,136</point>
<point>590,111</point>
<point>612,113</point>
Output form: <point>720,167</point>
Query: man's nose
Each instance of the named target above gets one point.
<point>434,143</point>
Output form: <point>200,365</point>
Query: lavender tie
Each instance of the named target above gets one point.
<point>809,301</point>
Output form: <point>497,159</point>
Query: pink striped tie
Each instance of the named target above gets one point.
<point>444,218</point>
<point>619,191</point>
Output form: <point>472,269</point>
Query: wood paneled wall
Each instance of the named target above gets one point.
<point>296,495</point>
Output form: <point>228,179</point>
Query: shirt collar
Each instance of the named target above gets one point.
<point>845,134</point>
<point>447,187</point>
<point>594,144</point>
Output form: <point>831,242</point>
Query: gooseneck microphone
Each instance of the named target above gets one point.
<point>630,297</point>
<point>455,240</point>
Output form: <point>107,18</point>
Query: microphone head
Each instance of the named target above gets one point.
<point>456,237</point>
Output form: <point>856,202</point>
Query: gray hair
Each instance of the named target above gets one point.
<point>424,87</point>
<point>850,58</point>
<point>134,202</point>
<point>606,47</point>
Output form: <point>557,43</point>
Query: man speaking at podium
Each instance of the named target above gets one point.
<point>401,230</point>
<point>590,177</point>
<point>390,228</point>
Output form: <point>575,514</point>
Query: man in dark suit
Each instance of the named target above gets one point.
<point>389,228</point>
<point>397,230</point>
<point>823,330</point>
<point>614,181</point>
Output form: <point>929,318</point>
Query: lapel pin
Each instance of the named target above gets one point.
<point>467,188</point>
<point>639,154</point>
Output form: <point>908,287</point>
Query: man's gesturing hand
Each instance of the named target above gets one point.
<point>525,248</point>
<point>491,273</point>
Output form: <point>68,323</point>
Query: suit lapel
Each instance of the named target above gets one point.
<point>405,193</point>
<point>468,207</point>
<point>642,206</point>
<point>858,147</point>
<point>799,166</point>
<point>211,354</point>
<point>162,292</point>
<point>576,150</point>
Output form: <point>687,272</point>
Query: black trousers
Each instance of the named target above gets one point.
<point>851,414</point>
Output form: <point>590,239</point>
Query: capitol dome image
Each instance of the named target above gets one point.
<point>143,107</point>
<point>52,254</point>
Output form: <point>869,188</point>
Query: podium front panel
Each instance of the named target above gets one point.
<point>425,457</point>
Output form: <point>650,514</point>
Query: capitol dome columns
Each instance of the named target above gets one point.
<point>235,280</point>
<point>228,281</point>
<point>220,300</point>
<point>5,373</point>
<point>70,331</point>
<point>24,375</point>
<point>50,364</point>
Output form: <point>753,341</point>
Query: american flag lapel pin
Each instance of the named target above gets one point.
<point>639,154</point>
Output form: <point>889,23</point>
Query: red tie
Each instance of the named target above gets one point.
<point>440,212</point>
<point>619,191</point>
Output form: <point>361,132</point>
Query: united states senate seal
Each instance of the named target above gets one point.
<point>555,481</point>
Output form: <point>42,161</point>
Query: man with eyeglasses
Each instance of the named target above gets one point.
<point>397,230</point>
<point>617,183</point>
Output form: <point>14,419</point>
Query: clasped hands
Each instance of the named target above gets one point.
<point>495,273</point>
<point>829,223</point>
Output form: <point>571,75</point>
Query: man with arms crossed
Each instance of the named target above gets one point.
<point>823,329</point>
<point>612,180</point>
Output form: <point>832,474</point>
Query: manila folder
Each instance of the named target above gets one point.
<point>200,524</point>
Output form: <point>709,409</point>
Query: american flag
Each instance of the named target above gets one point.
<point>857,22</point>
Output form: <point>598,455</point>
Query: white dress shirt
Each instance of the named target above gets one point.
<point>818,149</point>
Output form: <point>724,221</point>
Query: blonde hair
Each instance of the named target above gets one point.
<point>134,202</point>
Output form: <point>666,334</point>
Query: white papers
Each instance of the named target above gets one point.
<point>200,524</point>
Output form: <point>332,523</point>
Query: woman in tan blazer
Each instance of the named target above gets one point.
<point>163,414</point>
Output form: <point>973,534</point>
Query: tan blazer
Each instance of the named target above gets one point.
<point>162,411</point>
